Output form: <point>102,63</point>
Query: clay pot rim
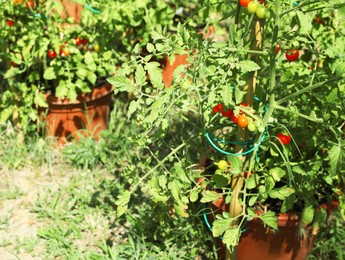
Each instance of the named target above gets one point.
<point>96,93</point>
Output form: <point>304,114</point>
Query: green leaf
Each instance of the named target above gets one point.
<point>304,22</point>
<point>277,173</point>
<point>252,181</point>
<point>49,74</point>
<point>140,75</point>
<point>92,78</point>
<point>181,210</point>
<point>88,58</point>
<point>133,106</point>
<point>239,94</point>
<point>221,180</point>
<point>150,47</point>
<point>181,172</point>
<point>40,100</point>
<point>81,73</point>
<point>122,202</point>
<point>120,83</point>
<point>270,219</point>
<point>155,73</point>
<point>236,164</point>
<point>219,226</point>
<point>252,200</point>
<point>231,237</point>
<point>248,66</point>
<point>308,215</point>
<point>226,95</point>
<point>175,189</point>
<point>12,72</point>
<point>208,196</point>
<point>336,157</point>
<point>194,195</point>
<point>281,193</point>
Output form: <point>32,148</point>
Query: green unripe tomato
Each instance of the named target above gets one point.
<point>222,165</point>
<point>252,6</point>
<point>261,12</point>
<point>261,129</point>
<point>251,127</point>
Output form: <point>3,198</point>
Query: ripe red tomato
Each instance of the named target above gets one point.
<point>227,113</point>
<point>84,41</point>
<point>10,23</point>
<point>242,121</point>
<point>51,54</point>
<point>244,3</point>
<point>78,41</point>
<point>284,138</point>
<point>31,4</point>
<point>277,48</point>
<point>218,108</point>
<point>292,55</point>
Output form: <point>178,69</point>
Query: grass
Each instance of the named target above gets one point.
<point>76,211</point>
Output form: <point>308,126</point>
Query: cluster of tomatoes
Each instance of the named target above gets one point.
<point>256,7</point>
<point>241,119</point>
<point>79,42</point>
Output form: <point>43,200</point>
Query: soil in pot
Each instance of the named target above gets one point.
<point>87,116</point>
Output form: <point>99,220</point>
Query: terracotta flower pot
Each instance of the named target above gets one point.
<point>169,67</point>
<point>87,116</point>
<point>258,242</point>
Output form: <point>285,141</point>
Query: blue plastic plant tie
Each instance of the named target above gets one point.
<point>231,153</point>
<point>92,9</point>
<point>295,3</point>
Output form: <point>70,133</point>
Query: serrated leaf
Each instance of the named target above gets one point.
<point>231,237</point>
<point>239,94</point>
<point>236,164</point>
<point>277,173</point>
<point>181,172</point>
<point>122,202</point>
<point>11,72</point>
<point>150,47</point>
<point>219,226</point>
<point>308,215</point>
<point>336,157</point>
<point>140,75</point>
<point>40,100</point>
<point>120,83</point>
<point>248,66</point>
<point>49,74</point>
<point>304,22</point>
<point>252,181</point>
<point>281,193</point>
<point>175,189</point>
<point>252,200</point>
<point>181,210</point>
<point>270,219</point>
<point>133,106</point>
<point>208,196</point>
<point>221,180</point>
<point>226,95</point>
<point>155,73</point>
<point>194,195</point>
<point>88,58</point>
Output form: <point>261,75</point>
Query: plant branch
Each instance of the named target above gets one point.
<point>298,114</point>
<point>306,89</point>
